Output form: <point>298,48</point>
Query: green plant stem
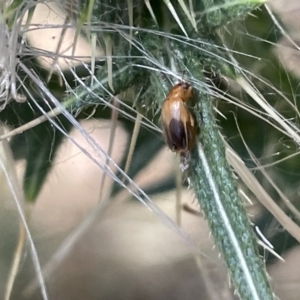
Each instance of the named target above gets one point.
<point>216,190</point>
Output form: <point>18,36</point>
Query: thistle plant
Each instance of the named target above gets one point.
<point>240,106</point>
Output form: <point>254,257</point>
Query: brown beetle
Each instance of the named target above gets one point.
<point>178,123</point>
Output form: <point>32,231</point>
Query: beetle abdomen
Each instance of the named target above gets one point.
<point>177,136</point>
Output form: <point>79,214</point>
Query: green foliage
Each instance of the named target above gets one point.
<point>146,63</point>
<point>216,190</point>
<point>42,143</point>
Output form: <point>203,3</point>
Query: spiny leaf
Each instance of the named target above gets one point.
<point>42,143</point>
